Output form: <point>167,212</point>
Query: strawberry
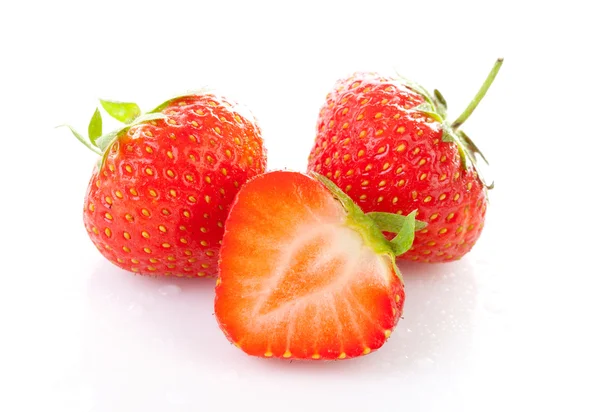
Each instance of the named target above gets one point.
<point>157,202</point>
<point>305,274</point>
<point>387,143</point>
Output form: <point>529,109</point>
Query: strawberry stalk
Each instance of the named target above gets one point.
<point>479,96</point>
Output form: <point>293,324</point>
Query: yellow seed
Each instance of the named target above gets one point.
<point>364,101</point>
<point>378,115</point>
<point>434,216</point>
<point>431,243</point>
<point>442,231</point>
<point>362,134</point>
<point>119,194</point>
<point>128,217</point>
<point>287,353</point>
<point>217,283</point>
<point>469,185</point>
<point>209,159</point>
<point>201,274</point>
<point>146,234</point>
<point>126,235</point>
<point>207,179</point>
<point>91,207</point>
<point>387,333</point>
<point>442,196</point>
<point>194,123</point>
<point>224,171</point>
<point>397,298</point>
<point>171,258</point>
<point>420,133</point>
<point>386,166</point>
<point>450,216</point>
<point>399,170</point>
<point>183,240</point>
<point>268,354</point>
<point>192,157</point>
<point>108,200</point>
<point>363,197</point>
<point>342,355</point>
<point>384,101</point>
<point>382,183</point>
<point>401,129</point>
<point>127,250</point>
<point>97,183</point>
<point>151,268</point>
<point>422,162</point>
<point>417,150</point>
<point>316,356</point>
<point>346,141</point>
<point>199,112</point>
<point>133,191</point>
<point>128,168</point>
<point>427,252</point>
<point>423,176</point>
<point>145,212</point>
<point>107,232</point>
<point>366,351</point>
<point>222,191</point>
<point>204,265</point>
<point>108,216</point>
<point>228,153</point>
<point>170,154</point>
<point>401,147</point>
<point>217,130</point>
<point>192,199</point>
<point>149,149</point>
<point>203,243</point>
<point>346,157</point>
<point>166,212</point>
<point>395,200</point>
<point>401,182</point>
<point>456,196</point>
<point>171,121</point>
<point>166,245</point>
<point>443,158</point>
<point>364,183</point>
<point>381,150</point>
<point>134,269</point>
<point>331,123</point>
<point>456,175</point>
<point>149,171</point>
<point>368,167</point>
<point>186,213</point>
<point>152,192</point>
<point>360,116</point>
<point>207,199</point>
<point>380,199</point>
<point>147,250</point>
<point>443,177</point>
<point>237,141</point>
<point>348,187</point>
<point>345,125</point>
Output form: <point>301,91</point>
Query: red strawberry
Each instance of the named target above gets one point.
<point>158,201</point>
<point>305,274</point>
<point>386,142</point>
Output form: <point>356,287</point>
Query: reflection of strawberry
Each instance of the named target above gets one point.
<point>159,199</point>
<point>305,274</point>
<point>387,144</point>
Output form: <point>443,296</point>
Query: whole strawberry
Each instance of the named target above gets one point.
<point>157,202</point>
<point>386,142</point>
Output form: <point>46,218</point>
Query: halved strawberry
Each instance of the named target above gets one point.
<point>305,274</point>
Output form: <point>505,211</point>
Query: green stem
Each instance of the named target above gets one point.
<point>482,91</point>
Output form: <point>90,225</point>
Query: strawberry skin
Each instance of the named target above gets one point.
<point>159,201</point>
<point>300,277</point>
<point>376,141</point>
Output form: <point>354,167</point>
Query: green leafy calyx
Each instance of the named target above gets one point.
<point>435,107</point>
<point>372,225</point>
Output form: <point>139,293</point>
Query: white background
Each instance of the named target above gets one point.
<point>510,327</point>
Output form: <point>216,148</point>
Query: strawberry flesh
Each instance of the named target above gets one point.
<point>296,281</point>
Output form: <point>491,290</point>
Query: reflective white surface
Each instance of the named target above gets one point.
<point>513,326</point>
